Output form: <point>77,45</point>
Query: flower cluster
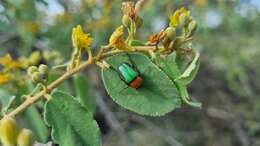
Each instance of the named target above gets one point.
<point>180,17</point>
<point>180,21</point>
<point>11,67</point>
<point>38,74</point>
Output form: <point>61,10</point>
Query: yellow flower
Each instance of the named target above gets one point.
<point>175,19</point>
<point>80,39</point>
<point>117,35</point>
<point>8,62</point>
<point>117,39</point>
<point>4,78</point>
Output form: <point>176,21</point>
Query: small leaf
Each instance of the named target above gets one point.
<point>170,67</point>
<point>72,124</point>
<point>191,71</point>
<point>156,97</point>
<point>83,92</point>
<point>137,43</point>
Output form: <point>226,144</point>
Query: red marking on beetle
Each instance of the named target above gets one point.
<point>136,83</point>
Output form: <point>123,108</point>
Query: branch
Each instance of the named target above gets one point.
<point>143,49</point>
<point>28,102</point>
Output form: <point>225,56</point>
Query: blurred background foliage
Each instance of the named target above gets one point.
<point>228,83</point>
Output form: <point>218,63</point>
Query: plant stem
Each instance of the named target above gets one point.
<point>29,101</point>
<point>143,49</point>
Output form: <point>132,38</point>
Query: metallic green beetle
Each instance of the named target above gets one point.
<point>130,74</point>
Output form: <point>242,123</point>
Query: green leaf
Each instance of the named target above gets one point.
<point>156,97</point>
<point>36,123</point>
<point>33,116</point>
<point>170,67</point>
<point>191,71</point>
<point>137,43</point>
<point>72,124</point>
<point>84,93</point>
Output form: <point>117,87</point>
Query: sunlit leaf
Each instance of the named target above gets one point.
<point>72,124</point>
<point>157,96</point>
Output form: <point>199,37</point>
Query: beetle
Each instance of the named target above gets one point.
<point>129,74</point>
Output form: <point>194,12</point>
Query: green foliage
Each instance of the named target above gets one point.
<point>169,65</point>
<point>72,124</point>
<point>156,97</point>
<point>70,117</point>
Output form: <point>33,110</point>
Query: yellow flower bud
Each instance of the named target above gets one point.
<point>166,42</point>
<point>170,33</point>
<point>126,20</point>
<point>8,131</point>
<point>139,22</point>
<point>192,27</point>
<point>25,138</point>
<point>179,17</point>
<point>43,69</point>
<point>47,55</point>
<point>31,70</point>
<point>178,42</point>
<point>184,19</point>
<point>35,57</point>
